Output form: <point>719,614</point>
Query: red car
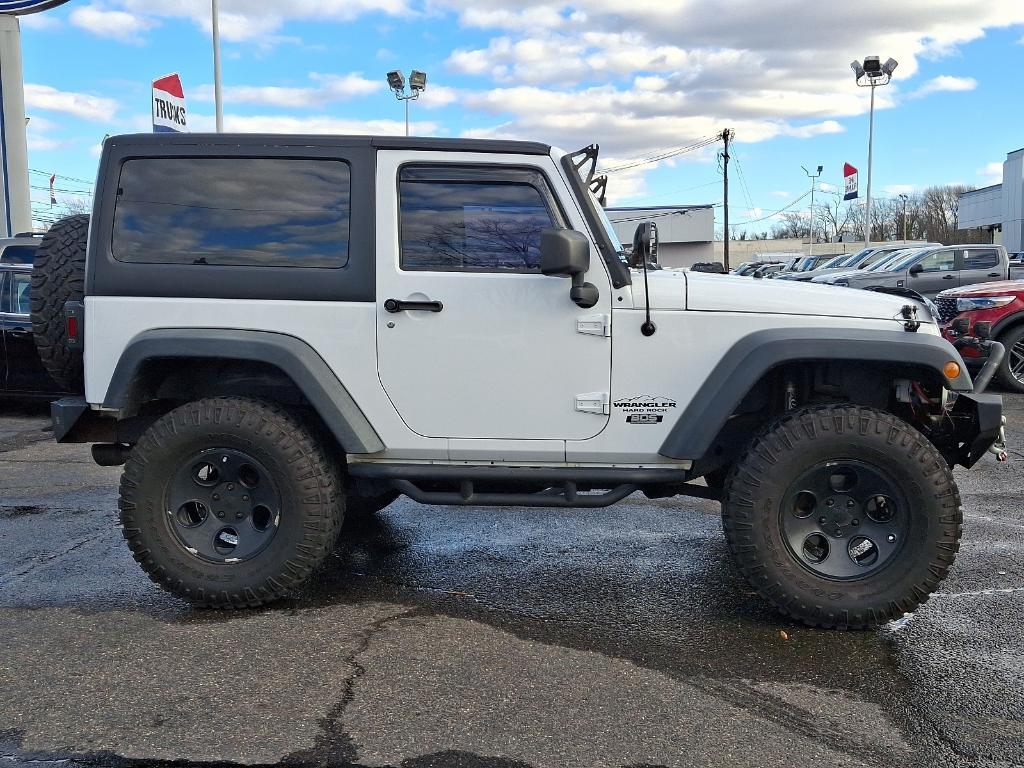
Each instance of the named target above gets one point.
<point>988,310</point>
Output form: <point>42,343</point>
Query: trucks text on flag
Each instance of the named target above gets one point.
<point>168,105</point>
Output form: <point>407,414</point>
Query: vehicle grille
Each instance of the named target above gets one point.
<point>947,308</point>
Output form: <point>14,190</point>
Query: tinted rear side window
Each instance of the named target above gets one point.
<point>977,258</point>
<point>18,254</point>
<point>272,212</point>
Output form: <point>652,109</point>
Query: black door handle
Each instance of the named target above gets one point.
<point>18,332</point>
<point>394,305</point>
<point>947,277</point>
<point>995,274</point>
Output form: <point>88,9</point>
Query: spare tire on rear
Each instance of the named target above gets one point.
<point>58,276</point>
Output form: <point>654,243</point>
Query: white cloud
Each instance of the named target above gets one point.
<point>991,173</point>
<point>892,190</point>
<point>81,105</point>
<point>749,65</point>
<point>945,84</point>
<point>244,21</point>
<point>783,195</point>
<point>119,25</point>
<point>294,124</point>
<point>327,88</point>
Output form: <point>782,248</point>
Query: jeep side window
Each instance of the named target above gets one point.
<point>939,261</point>
<point>481,219</point>
<point>256,212</point>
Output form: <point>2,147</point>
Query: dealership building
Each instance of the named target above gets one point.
<point>999,208</point>
<point>686,233</point>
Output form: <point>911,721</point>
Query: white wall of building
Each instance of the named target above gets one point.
<point>685,233</point>
<point>999,207</point>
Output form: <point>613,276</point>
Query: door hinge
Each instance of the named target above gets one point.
<point>593,402</point>
<point>594,325</point>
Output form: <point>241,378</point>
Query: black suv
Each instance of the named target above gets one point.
<point>21,372</point>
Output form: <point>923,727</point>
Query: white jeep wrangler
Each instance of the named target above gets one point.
<point>273,332</point>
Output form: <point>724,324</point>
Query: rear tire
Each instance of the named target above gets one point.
<point>230,502</point>
<point>1013,340</point>
<point>58,276</point>
<point>803,499</point>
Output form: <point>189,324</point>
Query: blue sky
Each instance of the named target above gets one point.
<point>635,76</point>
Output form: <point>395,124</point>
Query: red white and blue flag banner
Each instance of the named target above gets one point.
<point>53,197</point>
<point>168,105</point>
<point>850,176</point>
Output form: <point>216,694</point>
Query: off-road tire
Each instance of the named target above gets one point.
<point>310,487</point>
<point>1003,373</point>
<point>58,276</point>
<point>802,439</point>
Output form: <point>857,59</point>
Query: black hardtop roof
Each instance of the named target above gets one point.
<point>502,146</point>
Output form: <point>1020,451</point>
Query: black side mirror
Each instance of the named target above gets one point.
<point>917,269</point>
<point>645,246</point>
<point>566,253</point>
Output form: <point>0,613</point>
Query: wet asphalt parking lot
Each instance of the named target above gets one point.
<point>501,638</point>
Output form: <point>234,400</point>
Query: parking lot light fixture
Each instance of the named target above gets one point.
<point>872,73</point>
<point>417,84</point>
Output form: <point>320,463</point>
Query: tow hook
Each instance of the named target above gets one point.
<point>999,446</point>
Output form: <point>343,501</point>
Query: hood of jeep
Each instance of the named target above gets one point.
<point>727,293</point>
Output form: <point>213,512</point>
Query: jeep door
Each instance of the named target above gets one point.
<point>488,346</point>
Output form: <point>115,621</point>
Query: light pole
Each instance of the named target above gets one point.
<point>417,84</point>
<point>814,178</point>
<point>871,74</point>
<point>217,98</point>
<point>904,199</point>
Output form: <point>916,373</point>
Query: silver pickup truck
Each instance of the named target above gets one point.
<point>928,271</point>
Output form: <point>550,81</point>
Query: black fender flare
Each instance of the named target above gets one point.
<point>752,356</point>
<point>294,357</point>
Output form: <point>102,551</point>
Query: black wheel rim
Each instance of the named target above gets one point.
<point>223,506</point>
<point>1016,361</point>
<point>844,520</point>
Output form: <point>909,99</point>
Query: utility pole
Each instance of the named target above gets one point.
<point>727,136</point>
<point>904,199</point>
<point>814,179</point>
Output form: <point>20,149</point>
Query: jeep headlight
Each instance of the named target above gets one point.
<point>982,302</point>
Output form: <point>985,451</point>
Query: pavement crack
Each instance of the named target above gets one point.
<point>333,746</point>
<point>44,559</point>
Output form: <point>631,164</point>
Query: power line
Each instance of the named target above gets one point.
<point>664,154</point>
<point>649,216</point>
<point>59,176</point>
<point>773,213</point>
<point>743,183</point>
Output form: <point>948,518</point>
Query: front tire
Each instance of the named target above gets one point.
<point>842,516</point>
<point>1011,370</point>
<point>230,502</point>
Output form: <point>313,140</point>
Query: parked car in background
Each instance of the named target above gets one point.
<point>862,259</point>
<point>989,310</point>
<point>881,265</point>
<point>21,371</point>
<point>929,271</point>
<point>807,263</point>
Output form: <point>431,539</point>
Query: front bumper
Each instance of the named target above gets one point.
<point>978,420</point>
